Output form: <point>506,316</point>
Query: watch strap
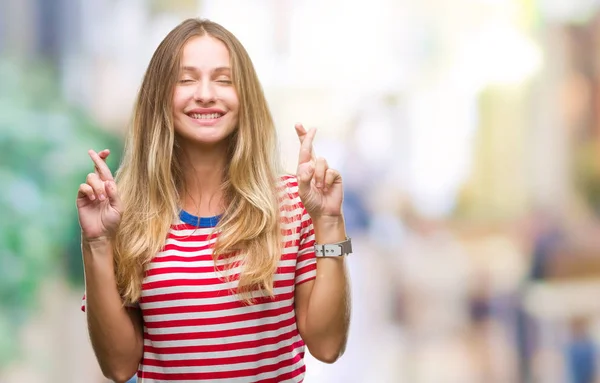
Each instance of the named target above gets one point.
<point>334,249</point>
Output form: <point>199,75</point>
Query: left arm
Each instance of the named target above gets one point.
<point>323,305</point>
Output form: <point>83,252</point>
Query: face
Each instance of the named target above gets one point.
<point>205,103</point>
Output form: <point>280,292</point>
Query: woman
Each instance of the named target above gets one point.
<point>199,257</point>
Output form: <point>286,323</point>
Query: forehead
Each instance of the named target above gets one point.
<point>205,53</point>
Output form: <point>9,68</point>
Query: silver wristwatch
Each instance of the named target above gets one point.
<point>334,249</point>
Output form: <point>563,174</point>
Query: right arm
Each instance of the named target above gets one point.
<point>116,332</point>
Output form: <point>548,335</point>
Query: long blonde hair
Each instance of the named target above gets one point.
<point>150,176</point>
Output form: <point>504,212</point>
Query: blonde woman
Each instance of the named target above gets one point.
<point>202,261</point>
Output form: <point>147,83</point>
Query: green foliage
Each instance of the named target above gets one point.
<point>43,159</point>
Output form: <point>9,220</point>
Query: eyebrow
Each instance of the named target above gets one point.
<point>195,70</point>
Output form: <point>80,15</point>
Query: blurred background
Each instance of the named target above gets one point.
<point>467,132</point>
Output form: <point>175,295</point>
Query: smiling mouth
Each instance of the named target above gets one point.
<point>206,116</point>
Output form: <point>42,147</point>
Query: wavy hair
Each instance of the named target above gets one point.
<point>151,182</point>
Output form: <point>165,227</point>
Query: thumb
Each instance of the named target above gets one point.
<point>305,176</point>
<point>113,195</point>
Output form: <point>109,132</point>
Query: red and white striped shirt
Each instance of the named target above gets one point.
<point>196,329</point>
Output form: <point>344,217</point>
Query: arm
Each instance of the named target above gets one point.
<point>323,304</point>
<point>115,331</point>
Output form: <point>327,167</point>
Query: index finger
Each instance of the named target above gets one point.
<point>103,154</point>
<point>100,166</point>
<point>306,146</point>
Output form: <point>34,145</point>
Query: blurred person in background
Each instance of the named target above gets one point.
<point>219,299</point>
<point>581,352</point>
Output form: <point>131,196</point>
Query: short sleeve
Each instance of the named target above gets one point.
<point>294,213</point>
<point>306,262</point>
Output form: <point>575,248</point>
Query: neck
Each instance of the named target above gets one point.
<point>203,172</point>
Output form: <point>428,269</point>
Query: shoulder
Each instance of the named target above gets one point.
<point>289,199</point>
<point>287,187</point>
<point>288,181</point>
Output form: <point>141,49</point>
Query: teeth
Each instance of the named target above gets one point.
<point>209,116</point>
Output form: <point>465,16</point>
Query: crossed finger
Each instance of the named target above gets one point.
<point>100,167</point>
<point>307,152</point>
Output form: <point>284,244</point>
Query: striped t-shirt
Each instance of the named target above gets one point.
<point>196,329</point>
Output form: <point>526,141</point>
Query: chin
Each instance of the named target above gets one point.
<point>217,138</point>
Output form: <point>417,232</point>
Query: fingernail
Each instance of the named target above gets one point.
<point>92,197</point>
<point>101,197</point>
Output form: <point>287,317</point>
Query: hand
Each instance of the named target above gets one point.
<point>319,186</point>
<point>98,204</point>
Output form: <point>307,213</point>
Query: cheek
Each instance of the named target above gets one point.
<point>180,99</point>
<point>233,101</point>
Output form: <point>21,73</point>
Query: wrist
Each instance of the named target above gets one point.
<point>97,245</point>
<point>102,239</point>
<point>329,229</point>
<point>328,220</point>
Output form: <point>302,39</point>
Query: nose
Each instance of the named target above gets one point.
<point>204,92</point>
